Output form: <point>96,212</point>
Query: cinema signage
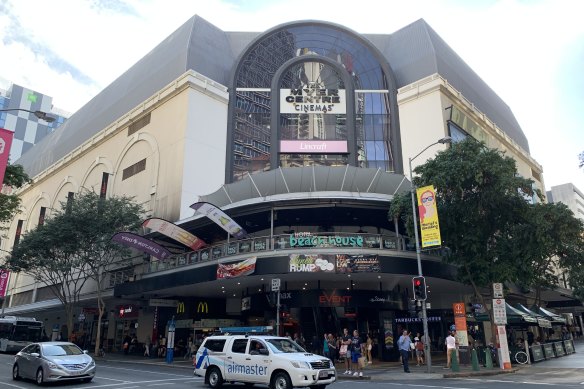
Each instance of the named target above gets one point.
<point>307,240</point>
<point>313,100</point>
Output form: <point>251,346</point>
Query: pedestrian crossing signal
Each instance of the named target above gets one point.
<point>419,288</point>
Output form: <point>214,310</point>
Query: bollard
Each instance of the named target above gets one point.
<point>488,359</point>
<point>454,366</point>
<point>475,360</point>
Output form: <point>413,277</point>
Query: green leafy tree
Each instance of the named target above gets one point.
<point>552,243</point>
<point>74,246</point>
<point>480,200</point>
<point>14,177</point>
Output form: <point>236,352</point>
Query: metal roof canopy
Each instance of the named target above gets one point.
<point>318,181</point>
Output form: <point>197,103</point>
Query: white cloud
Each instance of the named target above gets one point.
<point>518,48</point>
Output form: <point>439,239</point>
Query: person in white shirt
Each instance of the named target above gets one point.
<point>450,346</point>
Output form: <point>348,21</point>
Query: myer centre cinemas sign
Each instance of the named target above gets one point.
<point>313,100</point>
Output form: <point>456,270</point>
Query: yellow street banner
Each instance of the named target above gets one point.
<point>429,225</point>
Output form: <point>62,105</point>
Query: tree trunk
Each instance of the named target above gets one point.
<point>101,310</point>
<point>69,313</point>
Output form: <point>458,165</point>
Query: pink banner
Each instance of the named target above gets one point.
<point>4,277</point>
<point>313,146</point>
<point>5,143</point>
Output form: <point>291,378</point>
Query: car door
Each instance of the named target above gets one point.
<point>26,362</point>
<point>237,365</point>
<point>258,360</point>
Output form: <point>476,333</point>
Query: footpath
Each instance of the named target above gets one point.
<point>378,370</point>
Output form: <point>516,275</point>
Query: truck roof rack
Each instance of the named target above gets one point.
<point>256,330</point>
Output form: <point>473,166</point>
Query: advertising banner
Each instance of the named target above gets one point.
<point>142,244</point>
<point>219,217</point>
<point>5,144</point>
<point>237,269</point>
<point>300,263</point>
<point>429,225</point>
<point>173,231</point>
<point>311,99</point>
<point>363,263</point>
<point>4,278</point>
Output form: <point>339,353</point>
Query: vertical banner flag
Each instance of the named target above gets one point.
<point>428,216</point>
<point>4,278</point>
<point>219,217</point>
<point>5,143</point>
<point>173,231</point>
<point>142,244</point>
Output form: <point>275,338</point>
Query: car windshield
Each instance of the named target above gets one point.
<point>284,345</point>
<point>55,350</point>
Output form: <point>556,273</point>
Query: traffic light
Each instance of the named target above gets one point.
<point>419,288</point>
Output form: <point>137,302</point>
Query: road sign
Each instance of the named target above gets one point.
<point>498,290</point>
<point>499,311</point>
<point>275,284</point>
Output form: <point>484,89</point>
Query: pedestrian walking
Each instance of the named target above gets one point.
<point>419,346</point>
<point>356,354</point>
<point>450,348</point>
<point>403,345</point>
<point>346,350</point>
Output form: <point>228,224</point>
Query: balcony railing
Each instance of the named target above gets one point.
<point>285,242</point>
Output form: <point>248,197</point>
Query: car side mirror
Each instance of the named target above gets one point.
<point>36,355</point>
<point>264,351</point>
<point>85,352</point>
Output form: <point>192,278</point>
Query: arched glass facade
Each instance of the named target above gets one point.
<point>349,68</point>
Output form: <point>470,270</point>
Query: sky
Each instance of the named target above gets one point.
<point>530,52</point>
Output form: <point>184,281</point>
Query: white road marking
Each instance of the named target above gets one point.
<point>140,382</point>
<point>113,379</point>
<point>163,383</point>
<point>12,385</point>
<point>141,371</point>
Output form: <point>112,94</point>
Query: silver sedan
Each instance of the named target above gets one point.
<point>53,361</point>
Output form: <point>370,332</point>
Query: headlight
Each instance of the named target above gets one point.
<point>300,364</point>
<point>331,364</point>
<point>52,365</point>
<point>92,363</point>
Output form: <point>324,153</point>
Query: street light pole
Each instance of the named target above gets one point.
<point>418,254</point>
<point>39,114</point>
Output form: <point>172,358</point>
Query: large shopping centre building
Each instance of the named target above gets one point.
<point>297,132</point>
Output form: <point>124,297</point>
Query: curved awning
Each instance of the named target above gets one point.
<point>313,180</point>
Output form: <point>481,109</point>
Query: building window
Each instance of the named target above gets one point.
<point>134,169</point>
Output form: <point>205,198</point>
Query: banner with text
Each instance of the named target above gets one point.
<point>429,225</point>
<point>219,217</point>
<point>4,278</point>
<point>300,263</point>
<point>173,231</point>
<point>364,263</point>
<point>237,269</point>
<point>5,144</point>
<point>142,244</point>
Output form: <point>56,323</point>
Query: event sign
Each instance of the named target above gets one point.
<point>364,263</point>
<point>5,144</point>
<point>429,225</point>
<point>220,218</point>
<point>236,269</point>
<point>300,263</point>
<point>142,244</point>
<point>173,231</point>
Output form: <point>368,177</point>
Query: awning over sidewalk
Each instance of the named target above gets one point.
<point>542,320</point>
<point>514,316</point>
<point>554,318</point>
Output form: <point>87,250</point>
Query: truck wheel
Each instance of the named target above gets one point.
<point>281,381</point>
<point>214,378</point>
